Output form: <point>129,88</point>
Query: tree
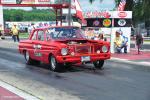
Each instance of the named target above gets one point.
<point>145,10</point>
<point>19,1</point>
<point>91,1</point>
<point>61,1</point>
<point>33,15</point>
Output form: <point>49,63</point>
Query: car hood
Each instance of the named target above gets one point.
<point>76,41</point>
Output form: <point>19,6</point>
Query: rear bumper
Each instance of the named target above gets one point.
<point>77,58</point>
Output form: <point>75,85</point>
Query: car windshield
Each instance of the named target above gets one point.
<point>65,33</point>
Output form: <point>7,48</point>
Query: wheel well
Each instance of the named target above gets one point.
<point>50,56</point>
<point>24,51</point>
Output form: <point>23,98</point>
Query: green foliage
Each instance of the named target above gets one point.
<point>91,1</point>
<point>18,1</point>
<point>146,10</point>
<point>61,1</point>
<point>33,15</point>
<point>23,35</point>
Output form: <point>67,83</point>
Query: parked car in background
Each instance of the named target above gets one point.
<point>63,46</point>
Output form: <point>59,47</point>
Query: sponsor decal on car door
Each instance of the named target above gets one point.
<point>36,50</point>
<point>37,45</point>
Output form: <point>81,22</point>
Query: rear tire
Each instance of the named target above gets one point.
<point>55,66</point>
<point>99,64</point>
<point>29,60</point>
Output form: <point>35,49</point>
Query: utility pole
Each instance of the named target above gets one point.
<point>1,16</point>
<point>69,14</point>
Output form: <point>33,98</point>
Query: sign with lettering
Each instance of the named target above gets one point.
<point>106,22</point>
<point>122,14</point>
<point>107,14</point>
<point>99,22</point>
<point>8,1</point>
<point>28,1</point>
<point>97,14</point>
<point>122,22</point>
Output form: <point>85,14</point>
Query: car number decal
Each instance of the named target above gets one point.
<point>37,47</point>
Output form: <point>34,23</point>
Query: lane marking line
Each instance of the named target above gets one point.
<point>17,91</point>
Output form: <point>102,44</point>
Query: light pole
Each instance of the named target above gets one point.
<point>69,14</point>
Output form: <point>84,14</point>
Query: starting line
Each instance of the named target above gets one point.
<point>8,92</point>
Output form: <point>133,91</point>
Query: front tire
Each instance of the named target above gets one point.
<point>55,66</point>
<point>99,64</point>
<point>29,60</point>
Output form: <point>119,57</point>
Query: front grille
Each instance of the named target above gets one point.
<point>97,47</point>
<point>83,49</point>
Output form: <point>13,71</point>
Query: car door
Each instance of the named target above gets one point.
<point>31,48</point>
<point>37,45</point>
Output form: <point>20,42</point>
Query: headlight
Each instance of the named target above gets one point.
<point>98,51</point>
<point>104,49</point>
<point>72,53</point>
<point>64,51</point>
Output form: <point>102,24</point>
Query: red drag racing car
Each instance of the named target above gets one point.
<point>62,46</point>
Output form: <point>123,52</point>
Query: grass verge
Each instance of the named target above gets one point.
<point>23,35</point>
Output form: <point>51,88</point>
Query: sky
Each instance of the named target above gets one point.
<point>97,5</point>
<point>87,6</point>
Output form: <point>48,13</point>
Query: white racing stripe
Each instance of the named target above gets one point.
<point>131,62</point>
<point>145,63</point>
<point>17,91</point>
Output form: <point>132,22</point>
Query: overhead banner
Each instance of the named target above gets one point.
<point>122,14</point>
<point>99,22</point>
<point>108,14</point>
<point>28,1</point>
<point>8,1</point>
<point>97,14</point>
<point>36,2</point>
<point>122,22</point>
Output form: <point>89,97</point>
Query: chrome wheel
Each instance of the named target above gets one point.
<point>27,57</point>
<point>55,66</point>
<point>29,60</point>
<point>53,63</point>
<point>99,64</point>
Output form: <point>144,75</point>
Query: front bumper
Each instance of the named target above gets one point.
<point>77,58</point>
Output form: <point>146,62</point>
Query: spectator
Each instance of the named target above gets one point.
<point>139,40</point>
<point>90,34</point>
<point>31,28</point>
<point>15,33</point>
<point>120,42</point>
<point>1,32</point>
<point>0,29</point>
<point>125,39</point>
<point>99,37</point>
